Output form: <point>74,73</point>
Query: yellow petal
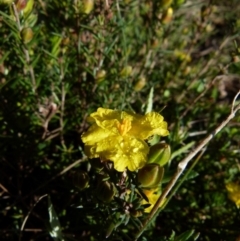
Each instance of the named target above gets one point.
<point>152,196</point>
<point>95,134</point>
<point>114,120</point>
<point>103,114</point>
<point>106,148</point>
<point>234,193</point>
<point>150,124</point>
<point>131,153</point>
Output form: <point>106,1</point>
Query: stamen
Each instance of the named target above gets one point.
<point>124,127</point>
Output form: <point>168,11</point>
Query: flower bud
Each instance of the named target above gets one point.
<point>105,191</point>
<point>81,179</point>
<point>87,6</point>
<point>159,153</point>
<point>26,35</point>
<point>150,175</point>
<point>21,4</point>
<point>235,59</point>
<point>140,84</point>
<point>28,8</point>
<point>126,71</point>
<point>167,16</point>
<point>100,76</point>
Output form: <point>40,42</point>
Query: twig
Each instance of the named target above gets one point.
<point>176,187</point>
<point>182,165</point>
<point>52,109</point>
<point>26,218</point>
<point>4,188</point>
<point>62,102</point>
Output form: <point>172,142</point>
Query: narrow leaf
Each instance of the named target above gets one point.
<point>55,225</point>
<point>182,150</point>
<point>185,236</point>
<point>150,101</point>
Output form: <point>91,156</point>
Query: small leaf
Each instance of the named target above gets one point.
<point>185,236</point>
<point>169,174</point>
<point>182,150</point>
<point>150,101</point>
<point>192,175</point>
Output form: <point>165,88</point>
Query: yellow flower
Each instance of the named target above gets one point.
<point>119,136</point>
<point>234,193</point>
<point>152,195</point>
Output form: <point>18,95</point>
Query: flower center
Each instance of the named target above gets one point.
<point>124,126</point>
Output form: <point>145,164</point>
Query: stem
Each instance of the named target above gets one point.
<point>25,50</point>
<point>182,165</point>
<point>62,102</point>
<point>176,187</point>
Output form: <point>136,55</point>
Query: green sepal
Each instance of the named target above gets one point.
<point>160,154</point>
<point>150,176</point>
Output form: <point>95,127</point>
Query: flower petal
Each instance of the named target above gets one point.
<point>131,154</point>
<point>150,124</point>
<point>95,134</point>
<point>106,148</point>
<point>152,195</point>
<point>234,193</point>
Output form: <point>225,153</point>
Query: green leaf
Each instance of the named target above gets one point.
<point>35,61</point>
<point>4,57</point>
<point>185,236</point>
<point>56,45</point>
<point>192,175</point>
<point>9,21</point>
<point>150,101</point>
<point>182,150</point>
<point>169,174</point>
<point>55,225</point>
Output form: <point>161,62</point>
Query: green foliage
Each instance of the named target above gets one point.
<point>114,55</point>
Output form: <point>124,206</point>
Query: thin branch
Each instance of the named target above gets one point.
<point>26,218</point>
<point>176,187</point>
<point>182,165</point>
<point>62,102</point>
